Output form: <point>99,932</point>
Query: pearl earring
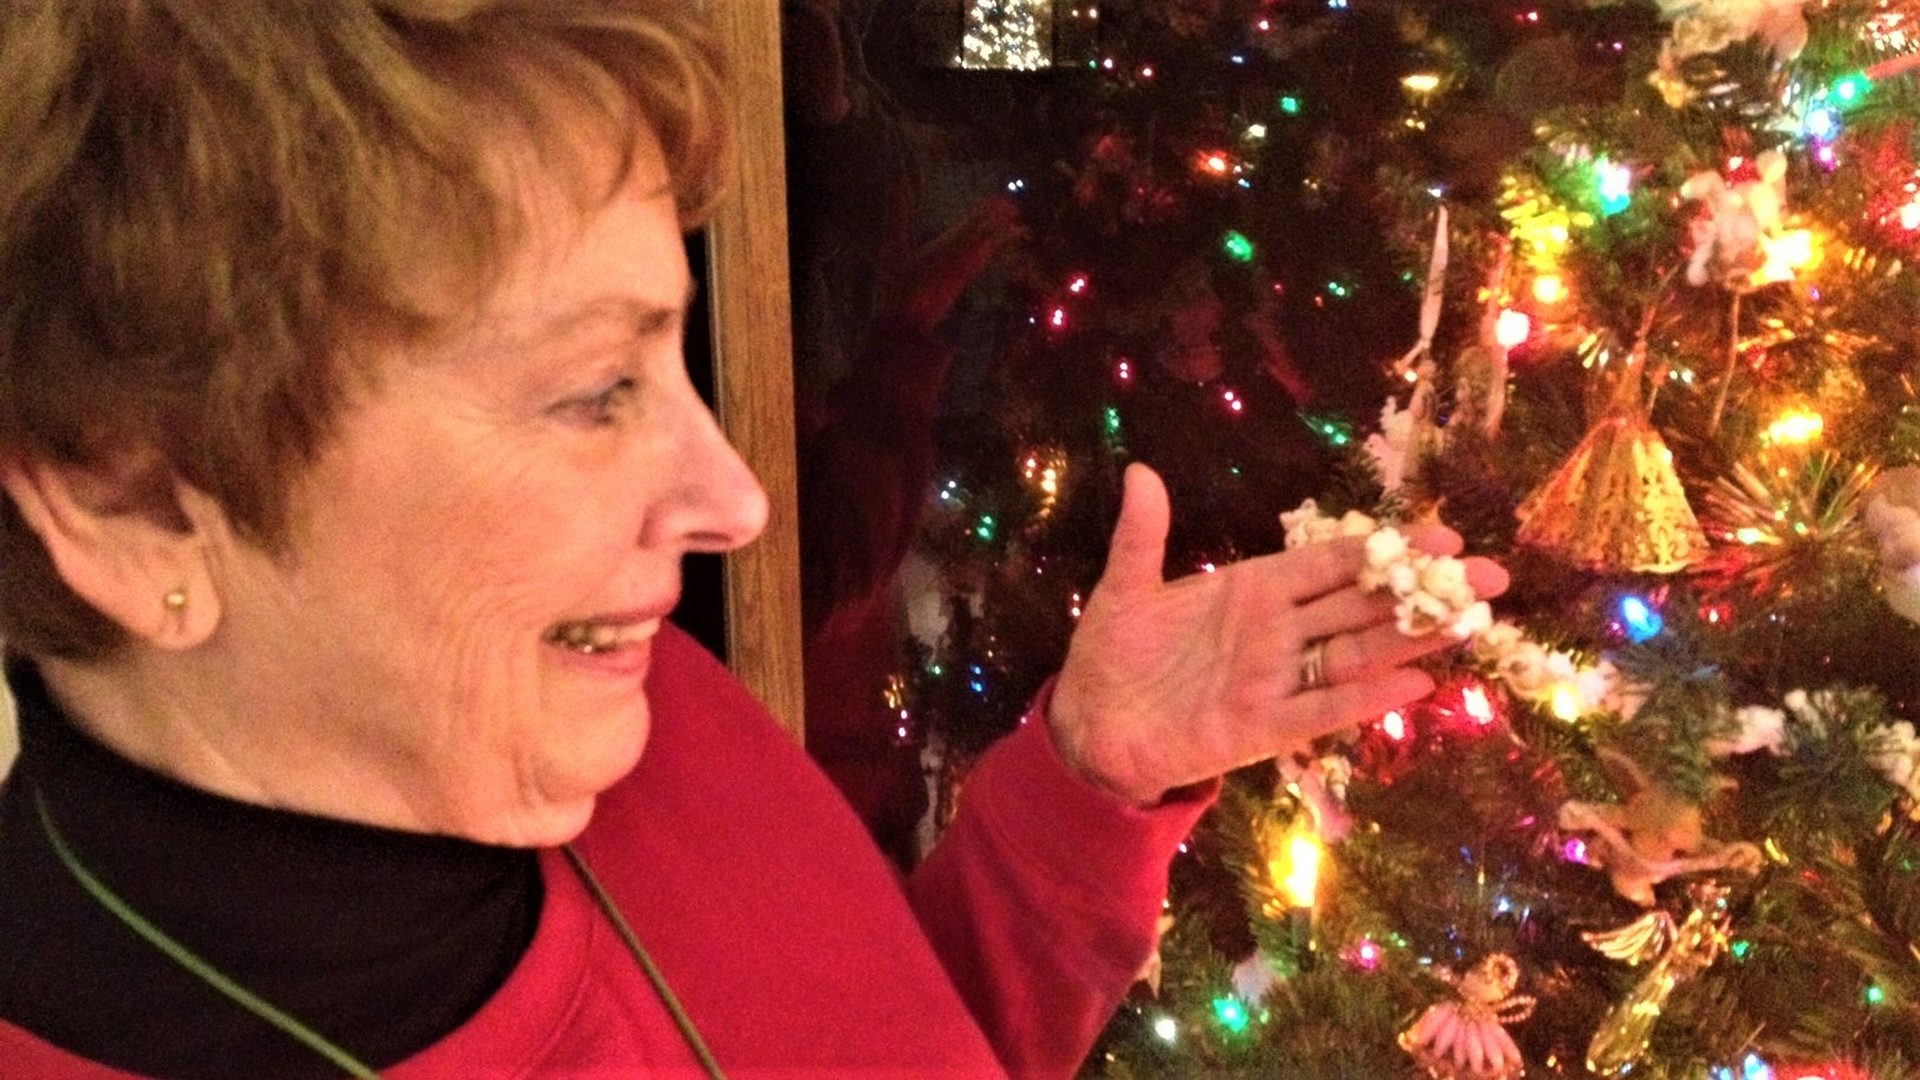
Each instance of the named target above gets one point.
<point>176,600</point>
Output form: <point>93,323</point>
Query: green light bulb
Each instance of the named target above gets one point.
<point>1237,246</point>
<point>1231,1014</point>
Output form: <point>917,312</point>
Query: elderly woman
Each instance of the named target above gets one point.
<point>349,460</point>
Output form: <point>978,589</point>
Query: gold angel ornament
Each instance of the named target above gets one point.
<point>1677,952</point>
<point>1467,1039</point>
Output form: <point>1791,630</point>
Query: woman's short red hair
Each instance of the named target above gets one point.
<point>205,204</point>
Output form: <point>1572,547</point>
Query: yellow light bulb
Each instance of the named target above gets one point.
<point>1796,427</point>
<point>1565,702</point>
<point>1298,873</point>
<point>1549,289</point>
<point>1512,328</point>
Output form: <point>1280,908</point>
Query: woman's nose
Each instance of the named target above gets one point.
<point>717,504</point>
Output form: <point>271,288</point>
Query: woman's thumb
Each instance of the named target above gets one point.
<point>1139,547</point>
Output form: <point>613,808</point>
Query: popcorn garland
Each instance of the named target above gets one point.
<point>1433,594</point>
<point>1891,749</point>
<point>1431,591</point>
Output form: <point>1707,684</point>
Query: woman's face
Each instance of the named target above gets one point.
<point>460,630</point>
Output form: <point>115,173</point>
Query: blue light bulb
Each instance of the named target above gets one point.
<point>1642,621</point>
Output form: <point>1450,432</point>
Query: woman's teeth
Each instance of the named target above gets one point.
<point>589,638</point>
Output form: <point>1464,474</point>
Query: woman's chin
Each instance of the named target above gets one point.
<point>550,825</point>
<point>556,806</point>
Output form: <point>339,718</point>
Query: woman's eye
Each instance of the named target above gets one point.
<point>602,408</point>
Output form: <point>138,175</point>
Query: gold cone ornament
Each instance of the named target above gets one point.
<point>1616,504</point>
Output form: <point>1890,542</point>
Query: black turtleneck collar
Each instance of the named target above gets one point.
<point>382,941</point>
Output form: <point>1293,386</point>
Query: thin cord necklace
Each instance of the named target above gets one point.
<point>313,1040</point>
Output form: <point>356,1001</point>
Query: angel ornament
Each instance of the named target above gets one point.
<point>1467,1039</point>
<point>1678,953</point>
<point>1739,240</point>
<point>1410,436</point>
<point>1655,835</point>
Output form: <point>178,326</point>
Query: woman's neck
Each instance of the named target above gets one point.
<point>384,939</point>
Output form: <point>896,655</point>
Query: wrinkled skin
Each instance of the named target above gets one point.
<point>1171,683</point>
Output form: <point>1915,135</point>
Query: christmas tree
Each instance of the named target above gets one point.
<point>1622,291</point>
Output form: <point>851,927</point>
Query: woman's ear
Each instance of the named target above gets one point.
<point>129,538</point>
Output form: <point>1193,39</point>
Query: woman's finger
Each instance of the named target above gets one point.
<point>1342,705</point>
<point>1342,611</point>
<point>1364,654</point>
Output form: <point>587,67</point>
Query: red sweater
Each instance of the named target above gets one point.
<point>788,937</point>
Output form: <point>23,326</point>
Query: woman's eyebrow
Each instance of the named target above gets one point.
<point>644,317</point>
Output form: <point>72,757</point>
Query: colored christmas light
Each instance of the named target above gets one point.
<point>1394,725</point>
<point>1296,871</point>
<point>1821,123</point>
<point>1642,622</point>
<point>1231,1014</point>
<point>1850,89</point>
<point>1564,702</point>
<point>1752,1067</point>
<point>1615,185</point>
<point>1795,427</point>
<point>1007,35</point>
<point>1909,214</point>
<point>1512,328</point>
<point>1290,105</point>
<point>1167,1029</point>
<point>1237,246</point>
<point>1549,289</point>
<point>1474,700</point>
<point>1335,430</point>
<point>1365,955</point>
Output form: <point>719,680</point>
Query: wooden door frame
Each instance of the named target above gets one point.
<point>751,304</point>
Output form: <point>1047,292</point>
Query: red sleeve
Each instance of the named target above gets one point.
<point>1043,897</point>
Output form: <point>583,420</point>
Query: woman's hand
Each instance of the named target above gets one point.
<point>1169,683</point>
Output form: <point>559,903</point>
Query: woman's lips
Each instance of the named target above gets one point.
<point>603,636</point>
